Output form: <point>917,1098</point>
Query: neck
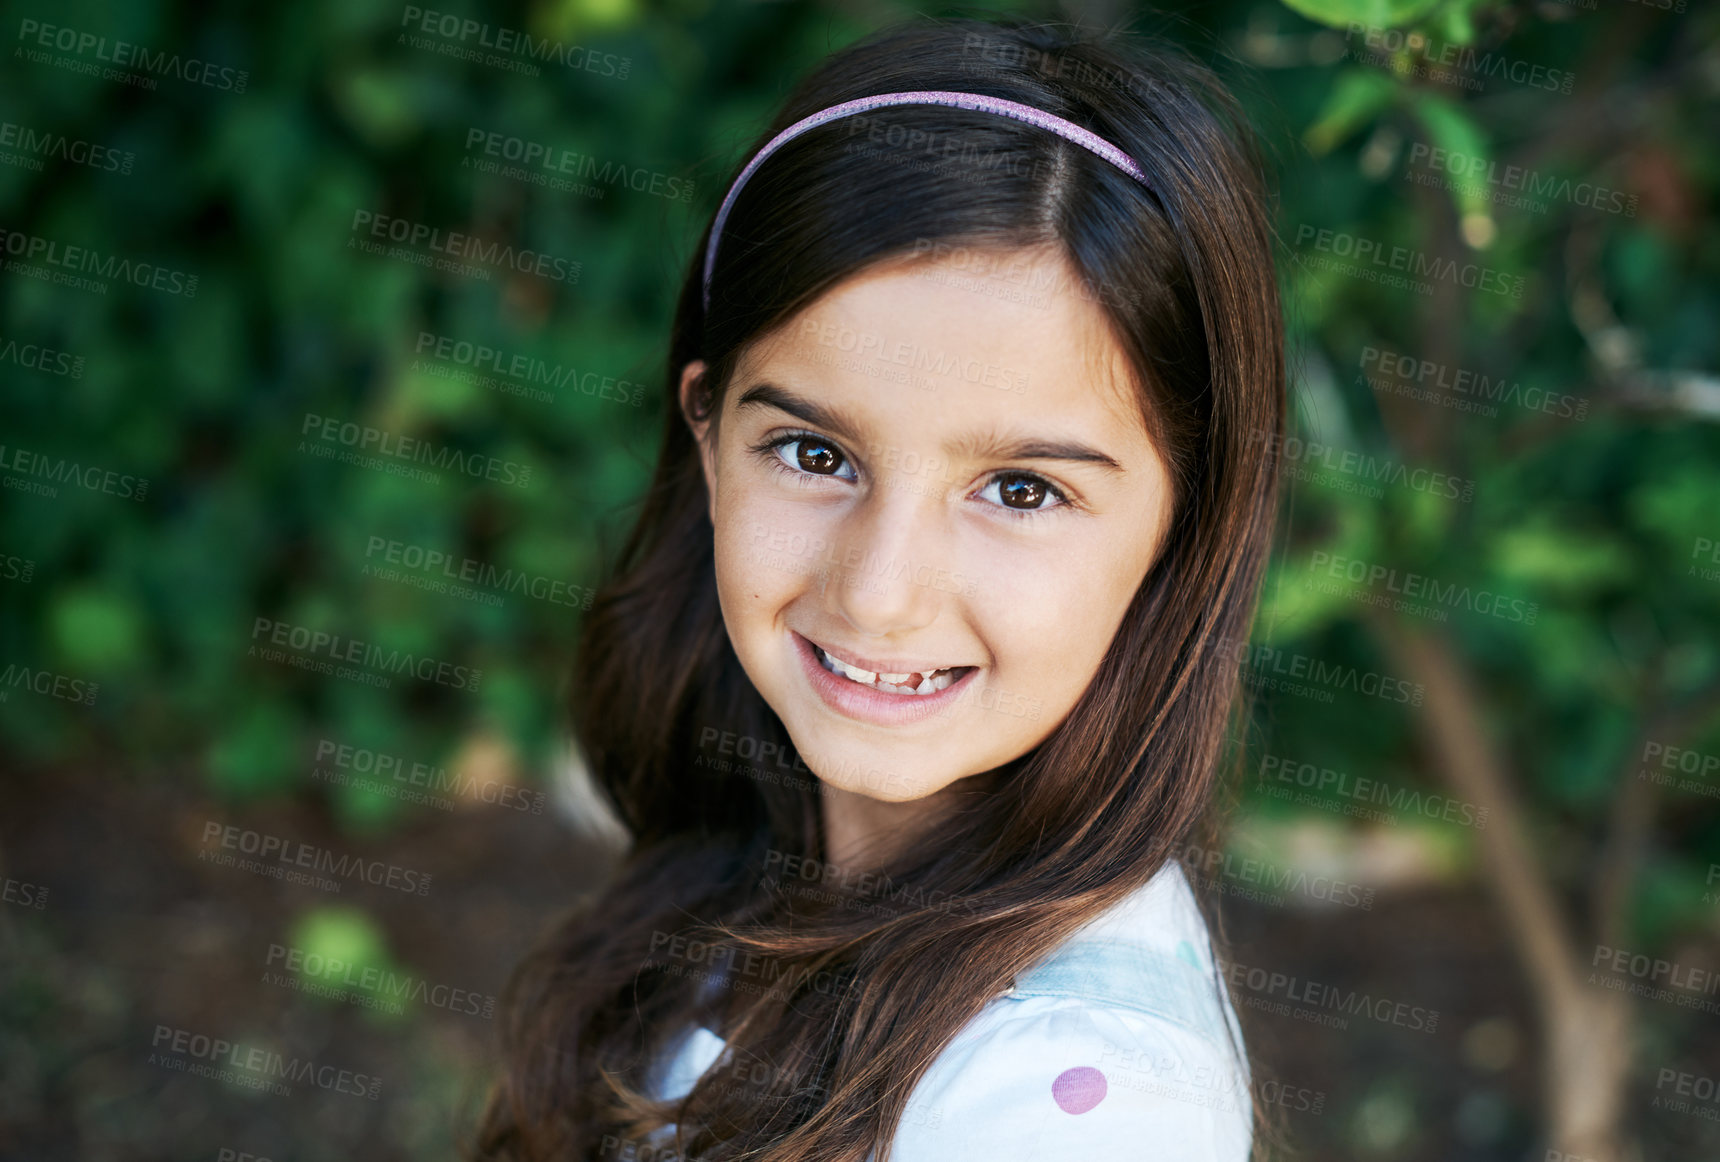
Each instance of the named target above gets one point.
<point>863,834</point>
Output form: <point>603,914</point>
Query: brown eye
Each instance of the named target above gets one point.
<point>812,456</point>
<point>815,456</point>
<point>1021,491</point>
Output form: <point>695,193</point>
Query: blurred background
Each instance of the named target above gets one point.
<point>324,399</point>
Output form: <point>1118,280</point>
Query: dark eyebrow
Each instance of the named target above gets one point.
<point>988,447</point>
<point>802,409</point>
<point>994,447</point>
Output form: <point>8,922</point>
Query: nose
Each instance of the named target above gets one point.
<point>888,546</point>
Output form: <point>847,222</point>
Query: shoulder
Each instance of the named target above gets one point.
<point>1053,1079</point>
<point>1122,1036</point>
<point>1150,954</point>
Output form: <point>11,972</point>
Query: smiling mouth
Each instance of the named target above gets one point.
<point>911,685</point>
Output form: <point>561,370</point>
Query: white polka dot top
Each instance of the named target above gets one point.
<point>1121,1044</point>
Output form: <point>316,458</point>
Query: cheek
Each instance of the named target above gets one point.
<point>1049,612</point>
<point>766,550</point>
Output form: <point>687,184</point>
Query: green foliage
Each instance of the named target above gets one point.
<point>346,935</point>
<point>1379,13</point>
<point>1358,96</point>
<point>206,396</point>
<point>342,950</point>
<point>1534,481</point>
<point>1590,474</point>
<point>1578,580</point>
<point>1451,129</point>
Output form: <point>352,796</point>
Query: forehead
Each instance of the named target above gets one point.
<point>922,341</point>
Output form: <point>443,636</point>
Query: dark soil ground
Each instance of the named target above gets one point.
<point>140,946</point>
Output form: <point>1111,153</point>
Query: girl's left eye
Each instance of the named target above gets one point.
<point>814,456</point>
<point>1021,493</point>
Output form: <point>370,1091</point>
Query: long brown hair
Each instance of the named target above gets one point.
<point>867,998</point>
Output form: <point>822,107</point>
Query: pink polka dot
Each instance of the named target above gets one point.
<point>1078,1090</point>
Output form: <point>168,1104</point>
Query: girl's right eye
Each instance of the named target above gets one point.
<point>804,454</point>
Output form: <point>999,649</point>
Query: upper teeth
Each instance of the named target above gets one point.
<point>930,682</point>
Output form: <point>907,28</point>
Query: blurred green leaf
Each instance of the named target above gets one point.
<point>1467,162</point>
<point>256,753</point>
<point>1375,13</point>
<point>1358,95</point>
<point>97,631</point>
<point>343,934</point>
<point>1561,560</point>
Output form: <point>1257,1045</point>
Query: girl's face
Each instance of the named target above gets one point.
<point>922,483</point>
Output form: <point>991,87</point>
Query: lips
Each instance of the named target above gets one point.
<point>911,683</point>
<point>877,702</point>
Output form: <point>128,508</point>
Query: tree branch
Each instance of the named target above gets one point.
<point>1634,809</point>
<point>1454,731</point>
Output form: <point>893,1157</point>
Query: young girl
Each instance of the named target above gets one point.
<point>913,680</point>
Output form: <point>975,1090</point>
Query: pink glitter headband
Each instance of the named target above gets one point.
<point>1067,130</point>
